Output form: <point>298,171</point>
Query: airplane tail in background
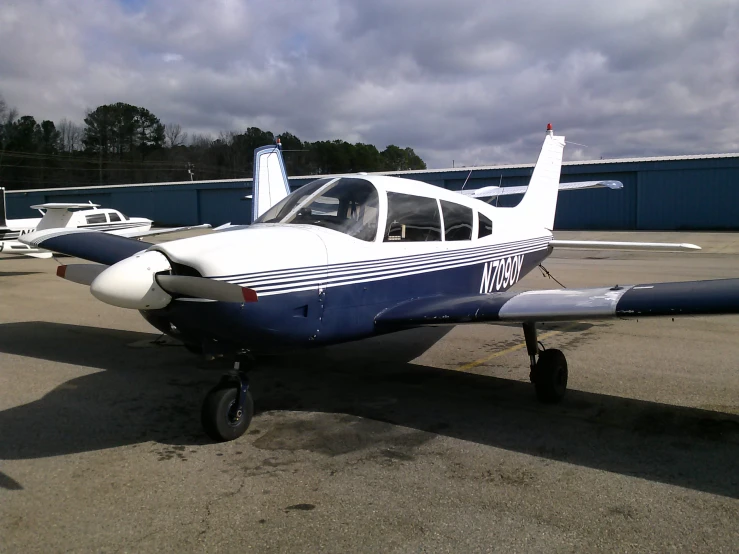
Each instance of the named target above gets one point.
<point>270,179</point>
<point>3,221</point>
<point>540,201</point>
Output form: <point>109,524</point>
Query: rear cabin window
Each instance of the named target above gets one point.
<point>486,226</point>
<point>96,218</point>
<point>457,221</point>
<point>412,218</point>
<point>114,217</point>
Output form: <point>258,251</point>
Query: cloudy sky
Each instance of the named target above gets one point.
<point>470,81</point>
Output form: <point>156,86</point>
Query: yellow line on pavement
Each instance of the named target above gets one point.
<point>467,367</point>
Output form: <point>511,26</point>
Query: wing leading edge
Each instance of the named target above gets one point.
<point>712,297</point>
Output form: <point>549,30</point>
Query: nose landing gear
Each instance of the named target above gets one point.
<point>548,372</point>
<point>228,407</point>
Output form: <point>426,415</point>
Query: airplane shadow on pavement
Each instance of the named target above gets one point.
<point>154,394</point>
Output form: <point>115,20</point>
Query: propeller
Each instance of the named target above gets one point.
<point>139,283</point>
<point>83,274</point>
<point>202,287</point>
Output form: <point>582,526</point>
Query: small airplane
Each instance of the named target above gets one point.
<point>58,215</point>
<point>348,257</point>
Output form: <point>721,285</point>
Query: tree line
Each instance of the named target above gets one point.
<point>120,143</point>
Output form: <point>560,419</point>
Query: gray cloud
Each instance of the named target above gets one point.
<point>455,80</point>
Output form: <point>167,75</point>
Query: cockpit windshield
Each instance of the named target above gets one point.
<point>347,205</point>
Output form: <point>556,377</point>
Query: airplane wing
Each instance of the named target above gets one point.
<point>492,192</point>
<point>166,230</point>
<point>95,246</point>
<point>628,301</point>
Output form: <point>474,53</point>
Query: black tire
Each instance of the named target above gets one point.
<point>219,421</point>
<point>550,376</point>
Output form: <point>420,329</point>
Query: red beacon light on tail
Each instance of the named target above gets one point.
<point>550,129</point>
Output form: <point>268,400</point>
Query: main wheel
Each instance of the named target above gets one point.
<point>221,419</point>
<point>550,376</point>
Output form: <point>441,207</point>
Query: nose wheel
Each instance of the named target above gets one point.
<point>548,368</point>
<point>228,407</point>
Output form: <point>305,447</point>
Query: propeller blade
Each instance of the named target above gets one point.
<point>208,289</point>
<point>84,274</point>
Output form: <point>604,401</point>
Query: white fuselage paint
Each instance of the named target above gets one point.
<point>278,259</point>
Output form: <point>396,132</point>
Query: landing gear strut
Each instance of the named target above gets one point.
<point>228,407</point>
<point>549,371</point>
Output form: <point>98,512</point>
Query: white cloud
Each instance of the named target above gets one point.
<point>468,81</point>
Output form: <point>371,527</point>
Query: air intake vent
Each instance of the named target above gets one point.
<point>186,270</point>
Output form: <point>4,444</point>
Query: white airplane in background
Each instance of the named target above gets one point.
<point>349,257</point>
<point>58,215</point>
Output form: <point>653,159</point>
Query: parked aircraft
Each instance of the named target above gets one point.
<point>348,257</point>
<point>71,215</point>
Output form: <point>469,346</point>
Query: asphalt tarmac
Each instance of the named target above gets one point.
<point>428,440</point>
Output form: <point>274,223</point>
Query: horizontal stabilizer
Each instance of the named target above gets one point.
<point>492,192</point>
<point>83,274</point>
<point>714,297</point>
<point>209,289</point>
<point>612,245</point>
<point>94,246</point>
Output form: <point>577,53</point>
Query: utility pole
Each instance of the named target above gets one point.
<point>191,171</point>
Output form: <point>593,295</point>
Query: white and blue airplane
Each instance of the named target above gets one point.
<point>66,215</point>
<point>348,257</point>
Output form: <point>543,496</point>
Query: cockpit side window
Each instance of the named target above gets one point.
<point>457,221</point>
<point>277,212</point>
<point>114,216</point>
<point>412,218</point>
<point>486,226</point>
<point>350,206</point>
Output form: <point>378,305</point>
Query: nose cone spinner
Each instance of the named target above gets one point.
<point>131,282</point>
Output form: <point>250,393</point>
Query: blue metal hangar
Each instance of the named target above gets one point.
<point>664,193</point>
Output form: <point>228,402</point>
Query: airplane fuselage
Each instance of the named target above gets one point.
<point>318,286</point>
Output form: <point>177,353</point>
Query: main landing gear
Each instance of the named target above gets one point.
<point>228,407</point>
<point>549,371</point>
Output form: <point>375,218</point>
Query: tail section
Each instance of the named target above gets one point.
<point>270,179</point>
<point>540,201</point>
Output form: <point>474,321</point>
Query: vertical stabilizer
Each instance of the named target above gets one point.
<point>540,201</point>
<point>270,179</point>
<point>3,221</point>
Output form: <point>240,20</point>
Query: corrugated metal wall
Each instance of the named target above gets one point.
<point>698,194</point>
